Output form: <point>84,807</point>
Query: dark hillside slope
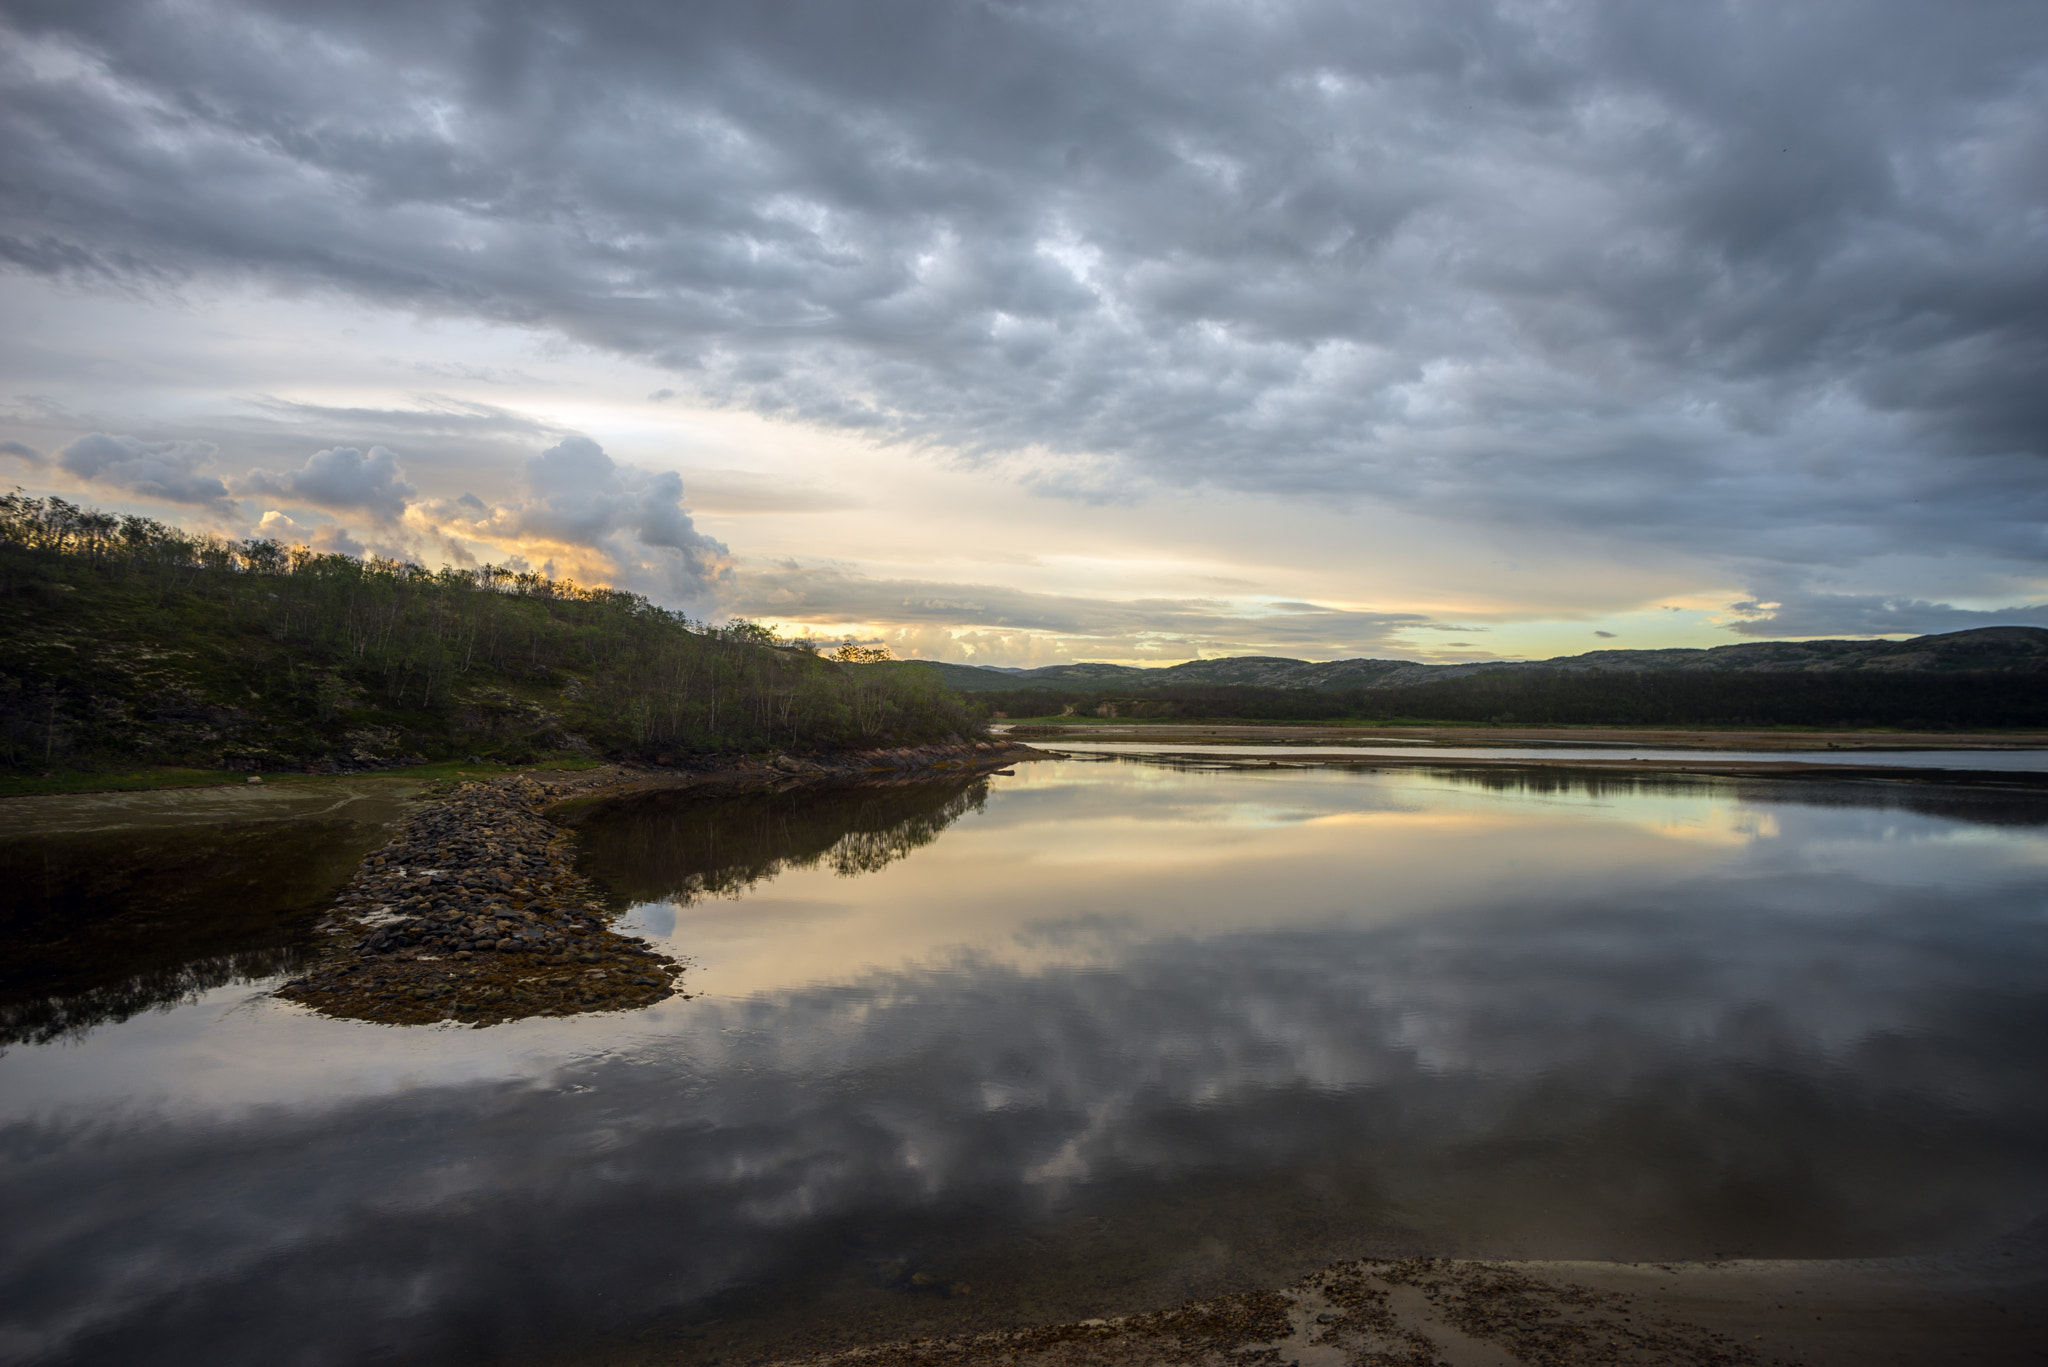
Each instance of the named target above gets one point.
<point>1991,677</point>
<point>2012,650</point>
<point>130,643</point>
<point>1913,700</point>
<point>961,678</point>
<point>1253,671</point>
<point>2007,650</point>
<point>1918,701</point>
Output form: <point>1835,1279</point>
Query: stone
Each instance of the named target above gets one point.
<point>448,866</point>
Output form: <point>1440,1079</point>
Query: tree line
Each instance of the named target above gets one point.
<point>134,641</point>
<point>1848,698</point>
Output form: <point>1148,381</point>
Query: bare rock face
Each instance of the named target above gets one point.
<point>475,913</point>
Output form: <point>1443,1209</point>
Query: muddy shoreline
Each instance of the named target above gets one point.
<point>473,913</point>
<point>1986,1305</point>
<point>747,774</point>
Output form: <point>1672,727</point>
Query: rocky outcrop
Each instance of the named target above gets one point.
<point>475,913</point>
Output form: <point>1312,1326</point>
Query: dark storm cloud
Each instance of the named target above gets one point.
<point>1767,280</point>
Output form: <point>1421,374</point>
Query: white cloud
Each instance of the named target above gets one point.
<point>576,496</point>
<point>166,470</point>
<point>339,477</point>
<point>327,537</point>
<point>1810,614</point>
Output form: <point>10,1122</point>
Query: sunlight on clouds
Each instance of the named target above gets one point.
<point>1506,363</point>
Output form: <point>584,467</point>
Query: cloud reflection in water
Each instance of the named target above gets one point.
<point>1818,1033</point>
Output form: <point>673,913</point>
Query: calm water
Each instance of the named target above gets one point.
<point>1100,1034</point>
<point>2034,761</point>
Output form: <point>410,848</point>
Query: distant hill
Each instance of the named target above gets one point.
<point>2003,650</point>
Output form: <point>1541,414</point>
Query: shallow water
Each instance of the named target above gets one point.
<point>2022,761</point>
<point>1097,1035</point>
<point>103,918</point>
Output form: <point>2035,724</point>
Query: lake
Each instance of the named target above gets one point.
<point>1102,1034</point>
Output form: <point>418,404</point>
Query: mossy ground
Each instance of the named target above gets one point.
<point>145,780</point>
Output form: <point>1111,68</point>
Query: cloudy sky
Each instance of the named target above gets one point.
<point>1024,332</point>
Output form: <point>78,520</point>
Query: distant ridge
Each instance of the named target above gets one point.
<point>2003,650</point>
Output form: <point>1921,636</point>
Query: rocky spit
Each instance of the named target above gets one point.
<point>474,913</point>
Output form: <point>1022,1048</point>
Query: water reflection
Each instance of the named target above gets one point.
<point>1978,802</point>
<point>1120,1033</point>
<point>96,926</point>
<point>681,847</point>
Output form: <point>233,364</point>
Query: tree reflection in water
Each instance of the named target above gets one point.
<point>682,847</point>
<point>100,926</point>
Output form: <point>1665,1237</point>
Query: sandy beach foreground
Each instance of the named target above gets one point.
<point>1987,1306</point>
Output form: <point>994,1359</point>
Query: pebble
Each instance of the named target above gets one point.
<point>474,912</point>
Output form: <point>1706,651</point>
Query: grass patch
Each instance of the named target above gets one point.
<point>145,780</point>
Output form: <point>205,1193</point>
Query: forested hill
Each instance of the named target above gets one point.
<point>130,643</point>
<point>2003,650</point>
<point>1990,678</point>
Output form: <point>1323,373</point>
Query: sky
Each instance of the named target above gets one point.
<point>1022,333</point>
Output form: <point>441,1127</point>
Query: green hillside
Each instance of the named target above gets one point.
<point>130,643</point>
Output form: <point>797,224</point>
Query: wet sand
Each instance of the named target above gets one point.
<point>1987,1306</point>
